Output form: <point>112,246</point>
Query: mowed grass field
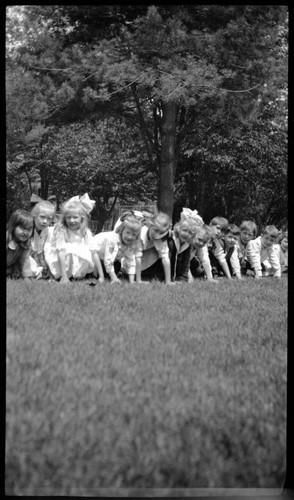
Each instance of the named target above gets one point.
<point>145,387</point>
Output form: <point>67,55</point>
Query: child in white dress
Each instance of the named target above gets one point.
<point>43,214</point>
<point>117,248</point>
<point>69,253</point>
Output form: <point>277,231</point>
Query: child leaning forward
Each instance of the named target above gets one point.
<point>262,253</point>
<point>152,258</point>
<point>117,249</point>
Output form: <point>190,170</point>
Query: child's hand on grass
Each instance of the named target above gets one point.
<point>101,280</point>
<point>115,280</point>
<point>64,280</point>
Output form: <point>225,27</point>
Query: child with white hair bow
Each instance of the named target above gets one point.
<point>69,253</point>
<point>180,244</point>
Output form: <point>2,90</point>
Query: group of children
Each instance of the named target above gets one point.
<point>141,247</point>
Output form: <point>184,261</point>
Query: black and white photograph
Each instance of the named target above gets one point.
<point>147,250</point>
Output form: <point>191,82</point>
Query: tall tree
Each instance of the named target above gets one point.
<point>170,66</point>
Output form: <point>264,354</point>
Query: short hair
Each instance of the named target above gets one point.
<point>232,229</point>
<point>219,221</point>
<point>40,205</point>
<point>249,225</point>
<point>21,218</point>
<point>283,235</point>
<point>270,231</point>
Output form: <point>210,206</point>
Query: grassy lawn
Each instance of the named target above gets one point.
<point>145,386</point>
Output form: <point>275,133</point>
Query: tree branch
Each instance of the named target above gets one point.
<point>146,135</point>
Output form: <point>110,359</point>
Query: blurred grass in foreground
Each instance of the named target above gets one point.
<point>147,386</point>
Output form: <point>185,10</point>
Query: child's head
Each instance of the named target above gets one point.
<point>74,215</point>
<point>141,216</point>
<point>43,213</point>
<point>185,230</point>
<point>159,226</point>
<point>231,235</point>
<point>20,225</point>
<point>202,236</point>
<point>269,236</point>
<point>283,240</point>
<point>248,231</point>
<point>129,230</point>
<point>218,225</point>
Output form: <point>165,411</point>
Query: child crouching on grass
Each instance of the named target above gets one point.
<point>216,253</point>
<point>229,244</point>
<point>117,249</point>
<point>68,251</point>
<point>179,243</point>
<point>248,232</point>
<point>43,214</point>
<point>262,253</point>
<point>200,263</point>
<point>152,258</point>
<point>18,232</point>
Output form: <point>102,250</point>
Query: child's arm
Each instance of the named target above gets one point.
<point>113,277</point>
<point>98,267</point>
<point>253,256</point>
<point>111,250</point>
<point>226,269</point>
<point>220,255</point>
<point>138,258</point>
<point>236,263</point>
<point>22,259</point>
<point>166,268</point>
<point>61,257</point>
<point>274,258</point>
<point>129,264</point>
<point>202,254</point>
<point>138,269</point>
<point>163,252</point>
<point>190,277</point>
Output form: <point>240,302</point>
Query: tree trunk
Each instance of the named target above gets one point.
<point>167,159</point>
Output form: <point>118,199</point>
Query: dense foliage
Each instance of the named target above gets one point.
<point>195,98</point>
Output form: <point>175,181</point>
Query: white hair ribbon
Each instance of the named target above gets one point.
<point>85,201</point>
<point>187,213</point>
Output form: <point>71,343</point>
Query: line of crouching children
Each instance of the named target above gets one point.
<point>140,248</point>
